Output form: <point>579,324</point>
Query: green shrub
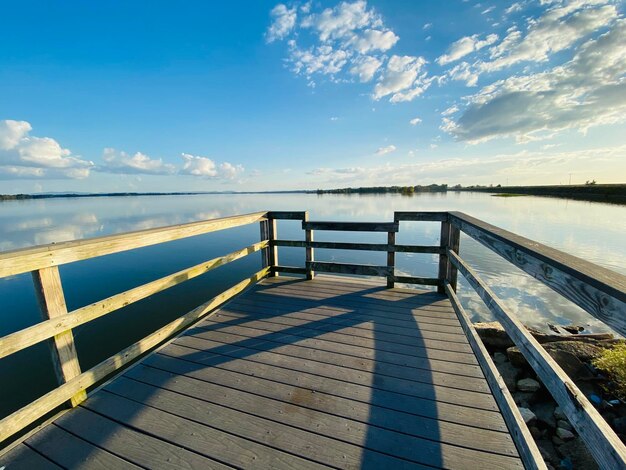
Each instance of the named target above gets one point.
<point>613,362</point>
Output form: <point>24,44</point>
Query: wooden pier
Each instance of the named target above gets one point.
<point>302,372</point>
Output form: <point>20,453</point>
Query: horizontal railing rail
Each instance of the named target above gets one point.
<point>599,291</point>
<point>57,323</point>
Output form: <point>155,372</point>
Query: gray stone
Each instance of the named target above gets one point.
<point>564,434</point>
<point>528,385</point>
<point>523,398</point>
<point>527,415</point>
<point>564,425</point>
<point>516,357</point>
<point>577,452</point>
<point>535,432</point>
<point>556,441</point>
<point>493,334</point>
<point>558,413</point>
<point>509,373</point>
<point>545,413</point>
<point>620,425</point>
<point>499,358</point>
<point>548,451</point>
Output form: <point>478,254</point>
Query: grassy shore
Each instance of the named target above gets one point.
<point>613,193</point>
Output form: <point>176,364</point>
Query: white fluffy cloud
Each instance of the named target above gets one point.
<point>589,90</point>
<point>207,168</point>
<point>402,79</point>
<point>284,20</point>
<point>26,156</point>
<point>121,162</point>
<point>344,43</point>
<point>415,121</point>
<point>385,150</point>
<point>465,46</point>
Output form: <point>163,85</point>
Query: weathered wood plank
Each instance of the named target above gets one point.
<point>309,254</point>
<point>287,215</point>
<point>421,216</point>
<point>264,235</point>
<point>351,226</point>
<point>60,324</point>
<point>601,440</point>
<point>145,449</point>
<point>423,281</point>
<point>346,268</point>
<point>444,241</point>
<point>377,429</point>
<point>289,269</point>
<point>31,259</point>
<point>70,451</point>
<point>529,452</point>
<point>209,348</point>
<point>360,246</point>
<point>342,334</point>
<point>203,423</point>
<point>23,457</point>
<point>391,259</point>
<point>36,409</point>
<point>273,248</point>
<point>598,290</point>
<point>262,378</point>
<point>51,300</point>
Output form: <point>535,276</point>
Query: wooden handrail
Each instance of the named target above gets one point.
<point>599,291</point>
<point>361,246</point>
<point>351,226</point>
<point>54,254</point>
<point>605,446</point>
<point>22,339</point>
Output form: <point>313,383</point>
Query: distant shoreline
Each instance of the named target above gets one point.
<point>612,193</point>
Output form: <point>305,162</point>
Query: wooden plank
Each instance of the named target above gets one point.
<point>346,268</point>
<point>70,451</point>
<point>363,322</point>
<point>31,259</point>
<point>351,226</point>
<point>205,348</point>
<point>377,429</point>
<point>141,448</point>
<point>287,215</point>
<point>261,442</point>
<point>262,379</point>
<point>342,333</point>
<point>360,246</point>
<point>264,236</point>
<point>309,254</point>
<point>36,409</point>
<point>423,281</point>
<point>51,300</point>
<point>387,369</point>
<point>598,290</point>
<point>601,440</point>
<point>454,244</point>
<point>422,216</point>
<point>529,452</point>
<point>273,249</point>
<point>64,322</point>
<point>289,269</point>
<point>23,457</point>
<point>391,259</point>
<point>240,392</point>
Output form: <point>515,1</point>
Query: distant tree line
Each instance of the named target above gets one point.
<point>406,190</point>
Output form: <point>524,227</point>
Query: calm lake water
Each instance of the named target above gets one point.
<point>593,231</point>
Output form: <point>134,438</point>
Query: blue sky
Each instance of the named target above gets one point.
<point>145,96</point>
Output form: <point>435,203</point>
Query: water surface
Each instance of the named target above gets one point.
<point>590,230</point>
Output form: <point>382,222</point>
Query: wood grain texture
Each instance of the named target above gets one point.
<point>51,300</point>
<point>48,402</point>
<point>605,446</point>
<point>529,452</point>
<point>23,457</point>
<point>41,331</point>
<point>351,226</point>
<point>31,259</point>
<point>598,290</point>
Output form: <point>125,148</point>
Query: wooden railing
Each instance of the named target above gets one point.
<point>57,323</point>
<point>599,291</point>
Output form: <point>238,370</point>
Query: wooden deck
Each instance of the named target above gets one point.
<point>298,374</point>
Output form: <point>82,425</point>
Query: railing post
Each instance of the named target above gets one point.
<point>444,262</point>
<point>273,249</point>
<point>310,254</point>
<point>449,240</point>
<point>51,301</point>
<point>264,227</point>
<point>453,244</point>
<point>391,259</point>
